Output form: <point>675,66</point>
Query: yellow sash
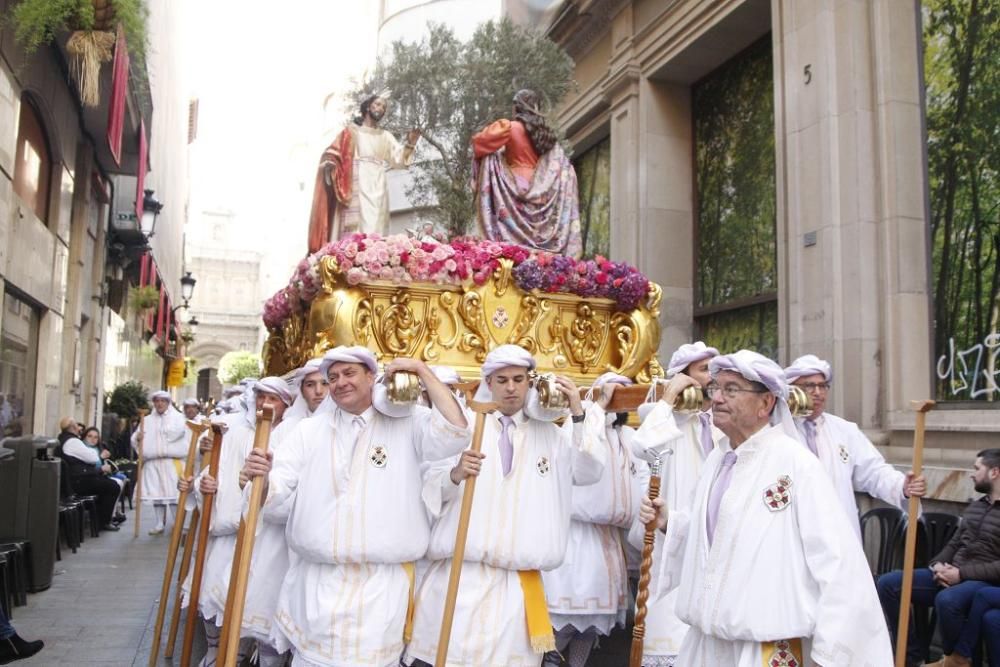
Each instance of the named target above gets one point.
<point>179,467</point>
<point>537,612</point>
<point>408,626</point>
<point>782,653</point>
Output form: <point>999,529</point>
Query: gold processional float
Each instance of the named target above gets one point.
<point>456,323</point>
<point>450,303</point>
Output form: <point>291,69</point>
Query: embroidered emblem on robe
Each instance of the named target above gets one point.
<point>776,496</point>
<point>543,466</point>
<point>378,456</point>
<point>783,654</point>
<point>844,455</point>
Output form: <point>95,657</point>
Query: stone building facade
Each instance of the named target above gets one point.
<point>843,105</point>
<point>65,265</point>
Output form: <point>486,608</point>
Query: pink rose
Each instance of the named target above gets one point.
<point>355,276</point>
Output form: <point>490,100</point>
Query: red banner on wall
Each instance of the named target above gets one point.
<point>140,172</point>
<point>119,87</point>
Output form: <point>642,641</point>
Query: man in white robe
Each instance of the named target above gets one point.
<point>588,594</point>
<point>519,526</point>
<point>227,506</point>
<point>270,553</point>
<point>766,572</point>
<point>849,458</point>
<point>313,392</point>
<point>348,484</point>
<point>692,438</point>
<point>191,408</point>
<point>163,446</point>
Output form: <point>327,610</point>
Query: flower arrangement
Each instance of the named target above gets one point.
<point>402,260</point>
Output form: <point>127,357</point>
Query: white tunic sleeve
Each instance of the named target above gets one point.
<point>438,489</point>
<point>587,455</point>
<point>871,473</point>
<point>848,627</point>
<point>436,438</point>
<point>283,479</point>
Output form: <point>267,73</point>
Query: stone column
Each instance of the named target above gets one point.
<point>851,220</point>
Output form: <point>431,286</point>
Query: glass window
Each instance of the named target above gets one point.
<point>593,175</point>
<point>736,243</point>
<point>962,95</point>
<point>18,352</point>
<point>33,161</point>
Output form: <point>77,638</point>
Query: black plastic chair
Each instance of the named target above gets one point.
<point>17,560</point>
<point>90,514</point>
<point>934,531</point>
<point>887,527</point>
<point>6,594</point>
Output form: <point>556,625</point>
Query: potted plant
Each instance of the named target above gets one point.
<point>127,399</point>
<point>143,299</point>
<point>92,25</point>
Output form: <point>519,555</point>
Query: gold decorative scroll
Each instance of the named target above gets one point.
<point>458,325</point>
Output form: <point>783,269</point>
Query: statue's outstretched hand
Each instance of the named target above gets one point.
<point>412,136</point>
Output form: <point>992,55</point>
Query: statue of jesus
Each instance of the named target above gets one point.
<point>351,193</point>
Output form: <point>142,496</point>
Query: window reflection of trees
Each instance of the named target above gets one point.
<point>593,175</point>
<point>962,77</point>
<point>736,289</point>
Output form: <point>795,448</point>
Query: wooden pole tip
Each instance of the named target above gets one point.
<point>922,406</point>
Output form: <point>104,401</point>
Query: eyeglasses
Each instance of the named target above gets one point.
<point>814,386</point>
<point>730,391</point>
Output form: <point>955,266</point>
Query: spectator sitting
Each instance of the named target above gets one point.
<point>87,472</point>
<point>983,622</point>
<point>92,438</point>
<point>968,563</point>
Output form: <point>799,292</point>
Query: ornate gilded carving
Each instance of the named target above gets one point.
<point>459,325</point>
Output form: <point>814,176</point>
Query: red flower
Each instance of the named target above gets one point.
<point>404,257</point>
<point>601,278</point>
<point>617,282</point>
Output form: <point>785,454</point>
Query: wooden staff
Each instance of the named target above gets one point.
<point>481,410</point>
<point>232,620</point>
<point>639,627</point>
<point>137,491</point>
<point>208,499</point>
<point>175,540</point>
<point>175,615</point>
<point>909,551</point>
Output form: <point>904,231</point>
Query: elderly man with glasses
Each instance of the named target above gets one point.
<point>766,573</point>
<point>849,458</point>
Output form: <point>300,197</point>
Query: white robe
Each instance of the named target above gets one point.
<point>164,448</point>
<point>679,475</point>
<point>270,557</point>
<point>790,571</point>
<point>590,588</point>
<point>354,518</point>
<point>376,151</point>
<point>853,464</point>
<point>519,522</point>
<point>224,525</point>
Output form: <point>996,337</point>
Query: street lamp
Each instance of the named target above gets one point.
<point>187,291</point>
<point>187,286</point>
<point>151,208</point>
<point>193,325</point>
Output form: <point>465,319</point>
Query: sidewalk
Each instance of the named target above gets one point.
<point>102,605</point>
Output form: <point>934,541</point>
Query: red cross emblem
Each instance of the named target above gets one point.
<point>782,656</point>
<point>777,496</point>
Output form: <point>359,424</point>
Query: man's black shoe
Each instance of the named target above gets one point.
<point>110,526</point>
<point>15,648</point>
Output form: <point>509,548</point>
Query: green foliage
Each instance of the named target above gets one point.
<point>234,366</point>
<point>144,298</point>
<point>37,22</point>
<point>451,89</point>
<point>735,171</point>
<point>962,78</point>
<point>593,173</point>
<point>127,399</point>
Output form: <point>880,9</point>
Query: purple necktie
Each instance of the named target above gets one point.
<point>506,447</point>
<point>810,427</point>
<point>706,432</point>
<point>719,490</point>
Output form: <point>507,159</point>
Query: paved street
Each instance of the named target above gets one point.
<point>101,607</point>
